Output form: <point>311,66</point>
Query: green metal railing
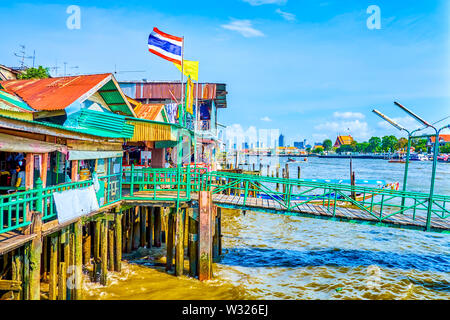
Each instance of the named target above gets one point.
<point>14,207</point>
<point>162,183</point>
<point>379,203</point>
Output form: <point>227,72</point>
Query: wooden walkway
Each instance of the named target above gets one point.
<point>349,214</point>
<point>12,240</point>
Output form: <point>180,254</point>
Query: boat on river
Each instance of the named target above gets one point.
<point>418,157</point>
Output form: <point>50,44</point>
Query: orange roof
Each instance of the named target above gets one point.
<point>54,93</point>
<point>148,111</point>
<point>343,140</point>
<point>442,138</point>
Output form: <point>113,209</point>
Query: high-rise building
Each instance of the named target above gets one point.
<point>281,140</point>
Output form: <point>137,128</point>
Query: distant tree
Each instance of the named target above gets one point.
<point>34,73</point>
<point>318,150</point>
<point>308,149</point>
<point>388,143</point>
<point>374,144</point>
<point>402,143</point>
<point>362,147</point>
<point>346,148</point>
<point>445,148</point>
<point>420,145</point>
<point>327,145</point>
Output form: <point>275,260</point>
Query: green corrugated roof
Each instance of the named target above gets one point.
<point>11,99</point>
<point>105,121</point>
<point>89,131</point>
<point>111,95</point>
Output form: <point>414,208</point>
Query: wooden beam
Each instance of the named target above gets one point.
<point>10,285</point>
<point>205,236</point>
<point>44,169</point>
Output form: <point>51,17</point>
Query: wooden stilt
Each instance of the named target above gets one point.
<point>136,228</point>
<point>150,223</point>
<point>205,236</point>
<point>104,253</point>
<point>44,259</point>
<point>87,245</point>
<point>118,236</point>
<point>71,268</point>
<point>26,272</point>
<point>35,258</point>
<point>179,243</point>
<point>17,271</point>
<point>110,249</point>
<point>157,227</point>
<point>193,242</point>
<point>78,259</point>
<point>169,244</point>
<point>53,275</point>
<point>143,225</point>
<point>62,281</point>
<point>215,240</point>
<point>219,228</point>
<point>130,229</point>
<point>97,231</point>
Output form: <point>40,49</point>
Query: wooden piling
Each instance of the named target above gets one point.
<point>143,224</point>
<point>26,272</point>
<point>205,236</point>
<point>118,236</point>
<point>169,240</point>
<point>110,249</point>
<point>62,281</point>
<point>278,175</point>
<point>87,246</point>
<point>17,268</point>
<point>215,226</point>
<point>193,241</point>
<point>96,269</point>
<point>53,274</point>
<point>104,253</point>
<point>136,228</point>
<point>149,228</point>
<point>157,227</point>
<point>35,257</point>
<point>78,259</point>
<point>179,243</point>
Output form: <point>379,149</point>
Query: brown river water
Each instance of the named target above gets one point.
<point>268,256</point>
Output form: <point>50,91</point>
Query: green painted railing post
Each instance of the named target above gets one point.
<point>132,180</point>
<point>39,195</point>
<point>245,192</point>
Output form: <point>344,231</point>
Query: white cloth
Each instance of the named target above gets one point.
<point>71,204</point>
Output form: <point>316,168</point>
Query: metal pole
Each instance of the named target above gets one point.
<point>182,85</point>
<point>405,174</point>
<point>433,175</point>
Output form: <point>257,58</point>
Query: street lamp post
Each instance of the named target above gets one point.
<point>410,133</point>
<point>435,155</point>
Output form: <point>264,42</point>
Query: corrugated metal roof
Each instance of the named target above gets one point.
<point>168,90</point>
<point>149,111</point>
<point>92,132</point>
<point>442,138</point>
<point>13,103</point>
<point>53,93</point>
<point>106,122</point>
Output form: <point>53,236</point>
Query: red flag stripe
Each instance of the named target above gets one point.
<point>167,35</point>
<point>165,57</point>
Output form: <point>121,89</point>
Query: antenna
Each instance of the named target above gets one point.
<point>22,55</point>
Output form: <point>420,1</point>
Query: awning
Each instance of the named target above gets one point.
<point>9,143</point>
<point>91,155</point>
<point>151,131</point>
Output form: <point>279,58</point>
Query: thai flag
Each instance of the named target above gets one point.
<point>165,46</point>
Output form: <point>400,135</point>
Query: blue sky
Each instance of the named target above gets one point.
<point>309,68</point>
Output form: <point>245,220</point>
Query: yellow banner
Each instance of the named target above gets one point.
<point>189,96</point>
<point>190,69</point>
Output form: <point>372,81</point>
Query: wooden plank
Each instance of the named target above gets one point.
<point>10,285</point>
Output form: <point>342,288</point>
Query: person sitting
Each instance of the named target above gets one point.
<point>18,179</point>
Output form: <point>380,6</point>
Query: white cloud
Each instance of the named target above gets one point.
<point>244,27</point>
<point>286,15</point>
<point>262,2</point>
<point>266,118</point>
<point>348,115</point>
<point>358,129</point>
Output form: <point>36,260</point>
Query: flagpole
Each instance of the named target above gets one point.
<point>180,137</point>
<point>196,123</point>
